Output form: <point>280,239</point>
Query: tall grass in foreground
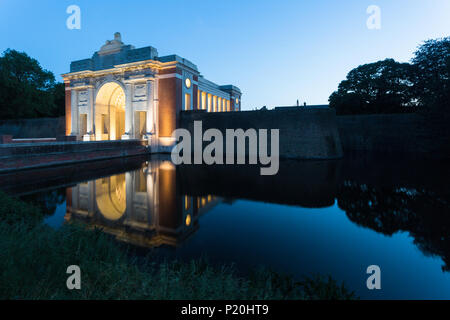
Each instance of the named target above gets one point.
<point>34,259</point>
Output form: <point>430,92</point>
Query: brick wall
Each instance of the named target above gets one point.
<point>35,155</point>
<point>421,134</point>
<point>305,133</point>
<point>33,128</point>
<point>169,105</point>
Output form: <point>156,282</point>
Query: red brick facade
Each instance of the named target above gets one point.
<point>170,101</point>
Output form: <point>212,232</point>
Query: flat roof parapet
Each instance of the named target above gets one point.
<point>174,57</point>
<point>127,54</point>
<point>230,87</point>
<point>317,106</point>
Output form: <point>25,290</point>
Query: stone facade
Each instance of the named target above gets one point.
<point>31,154</point>
<point>305,133</point>
<point>128,93</point>
<point>33,128</point>
<point>419,135</point>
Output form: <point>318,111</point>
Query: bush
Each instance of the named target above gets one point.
<point>34,259</point>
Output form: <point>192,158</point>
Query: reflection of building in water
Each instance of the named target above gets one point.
<point>141,207</point>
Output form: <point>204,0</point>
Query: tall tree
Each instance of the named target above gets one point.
<point>381,87</point>
<point>26,89</point>
<point>432,60</point>
<point>58,92</point>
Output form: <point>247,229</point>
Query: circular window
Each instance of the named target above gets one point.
<point>188,83</point>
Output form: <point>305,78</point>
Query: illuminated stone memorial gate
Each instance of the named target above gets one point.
<point>126,93</point>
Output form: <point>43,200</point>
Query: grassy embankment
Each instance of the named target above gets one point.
<point>34,259</point>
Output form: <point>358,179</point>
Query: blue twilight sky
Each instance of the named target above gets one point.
<point>276,51</point>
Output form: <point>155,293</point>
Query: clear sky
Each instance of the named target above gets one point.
<point>276,51</point>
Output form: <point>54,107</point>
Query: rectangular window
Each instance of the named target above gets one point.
<point>203,101</point>
<point>187,203</point>
<point>187,101</point>
<point>209,102</point>
<point>199,106</point>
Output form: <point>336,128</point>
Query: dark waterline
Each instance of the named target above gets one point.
<point>328,217</point>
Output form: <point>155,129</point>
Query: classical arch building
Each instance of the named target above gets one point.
<point>128,93</point>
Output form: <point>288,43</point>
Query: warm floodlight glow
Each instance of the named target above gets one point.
<point>187,101</point>
<point>188,220</point>
<point>110,194</point>
<point>110,112</point>
<point>187,203</point>
<point>204,101</point>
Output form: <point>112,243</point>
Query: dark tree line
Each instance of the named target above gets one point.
<point>391,87</point>
<point>27,90</point>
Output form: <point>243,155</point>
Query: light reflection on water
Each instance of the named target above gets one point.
<point>331,217</point>
<point>141,207</point>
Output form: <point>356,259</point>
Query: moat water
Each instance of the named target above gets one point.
<point>329,217</point>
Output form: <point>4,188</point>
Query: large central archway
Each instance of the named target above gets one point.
<point>110,112</point>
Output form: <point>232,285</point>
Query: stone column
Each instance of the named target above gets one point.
<point>74,112</point>
<point>92,203</point>
<point>151,186</point>
<point>209,101</point>
<point>90,135</point>
<point>203,101</point>
<point>129,133</point>
<point>150,106</point>
<point>198,97</point>
<point>129,192</point>
<point>155,135</point>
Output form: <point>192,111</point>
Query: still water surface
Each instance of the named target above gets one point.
<point>328,217</point>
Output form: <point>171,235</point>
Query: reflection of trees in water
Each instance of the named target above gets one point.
<point>47,201</point>
<point>425,214</point>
